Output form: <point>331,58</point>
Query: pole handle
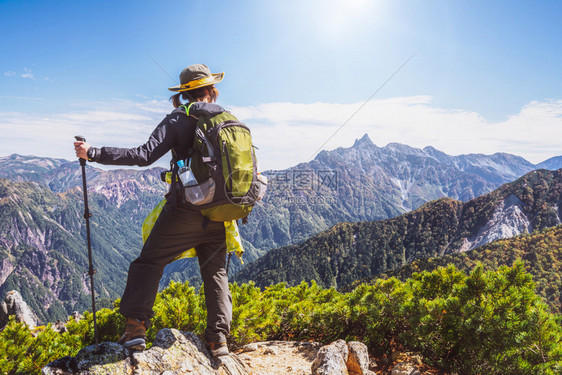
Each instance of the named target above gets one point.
<point>81,138</point>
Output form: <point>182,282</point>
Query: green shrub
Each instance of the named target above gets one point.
<point>490,323</point>
<point>378,314</point>
<point>179,306</point>
<point>22,353</point>
<point>481,323</point>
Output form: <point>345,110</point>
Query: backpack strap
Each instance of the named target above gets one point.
<point>187,108</point>
<point>203,138</point>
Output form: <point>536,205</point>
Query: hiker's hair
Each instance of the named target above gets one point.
<point>195,95</point>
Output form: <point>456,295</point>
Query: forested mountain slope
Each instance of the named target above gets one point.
<point>541,251</point>
<point>351,251</point>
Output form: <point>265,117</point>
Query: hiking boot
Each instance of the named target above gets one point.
<point>217,348</point>
<point>134,336</point>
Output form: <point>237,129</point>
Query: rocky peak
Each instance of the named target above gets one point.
<point>363,141</point>
<point>439,155</point>
<point>14,304</point>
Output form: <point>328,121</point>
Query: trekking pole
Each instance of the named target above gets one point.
<point>87,216</point>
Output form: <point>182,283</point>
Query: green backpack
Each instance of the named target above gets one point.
<point>224,163</point>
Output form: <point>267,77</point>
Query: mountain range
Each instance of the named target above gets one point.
<point>350,251</point>
<point>41,212</point>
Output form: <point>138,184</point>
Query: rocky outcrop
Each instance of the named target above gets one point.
<point>172,352</point>
<point>508,220</point>
<point>340,358</point>
<point>6,269</point>
<point>14,304</point>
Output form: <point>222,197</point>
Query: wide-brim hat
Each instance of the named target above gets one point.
<point>195,76</point>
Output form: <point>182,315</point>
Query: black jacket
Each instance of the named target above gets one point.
<point>174,133</point>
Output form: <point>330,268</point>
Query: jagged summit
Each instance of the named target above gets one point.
<point>433,151</point>
<point>364,140</point>
<point>404,149</point>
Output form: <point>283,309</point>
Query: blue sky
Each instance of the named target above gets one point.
<point>486,76</point>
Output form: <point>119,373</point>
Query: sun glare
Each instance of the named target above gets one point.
<point>338,19</point>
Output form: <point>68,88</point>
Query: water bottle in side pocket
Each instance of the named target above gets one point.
<point>193,192</point>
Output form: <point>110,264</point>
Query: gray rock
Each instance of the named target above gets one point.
<point>306,345</point>
<point>59,327</point>
<point>329,361</point>
<point>250,347</point>
<point>272,350</point>
<point>358,359</point>
<point>405,368</point>
<point>76,316</point>
<point>14,304</point>
<point>231,365</point>
<point>342,346</point>
<point>107,357</point>
<point>172,352</point>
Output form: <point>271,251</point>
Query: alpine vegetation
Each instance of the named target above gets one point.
<point>482,322</point>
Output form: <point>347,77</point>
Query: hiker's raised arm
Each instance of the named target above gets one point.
<point>160,142</point>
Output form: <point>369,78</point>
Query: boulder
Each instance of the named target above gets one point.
<point>329,361</point>
<point>272,350</point>
<point>343,358</point>
<point>14,304</point>
<point>172,352</point>
<point>342,346</point>
<point>252,347</point>
<point>358,358</point>
<point>59,327</point>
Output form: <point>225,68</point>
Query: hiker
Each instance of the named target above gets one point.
<point>180,225</point>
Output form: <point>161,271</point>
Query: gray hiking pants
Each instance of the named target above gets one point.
<point>176,230</point>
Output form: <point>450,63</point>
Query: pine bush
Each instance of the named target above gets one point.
<point>481,323</point>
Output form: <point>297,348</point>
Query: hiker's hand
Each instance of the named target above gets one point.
<point>81,149</point>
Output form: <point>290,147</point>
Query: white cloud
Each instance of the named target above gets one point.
<point>27,74</point>
<point>290,133</point>
<point>117,123</point>
<point>10,73</point>
<point>296,131</point>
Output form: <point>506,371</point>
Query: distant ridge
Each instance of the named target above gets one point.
<point>363,183</point>
<point>552,163</point>
<point>350,251</point>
